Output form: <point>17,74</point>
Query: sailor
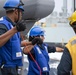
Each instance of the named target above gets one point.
<point>10,50</point>
<point>10,43</point>
<point>68,60</point>
<point>38,54</point>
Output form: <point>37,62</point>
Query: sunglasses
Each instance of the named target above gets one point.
<point>40,36</point>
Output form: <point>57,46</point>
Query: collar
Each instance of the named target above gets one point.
<point>8,19</point>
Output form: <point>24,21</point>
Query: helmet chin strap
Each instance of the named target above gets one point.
<point>18,16</point>
<point>20,4</point>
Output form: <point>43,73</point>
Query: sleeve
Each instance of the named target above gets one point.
<point>65,64</point>
<point>3,29</point>
<point>51,49</point>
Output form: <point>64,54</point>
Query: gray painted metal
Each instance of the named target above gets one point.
<point>34,11</point>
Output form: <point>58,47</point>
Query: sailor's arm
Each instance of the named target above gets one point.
<point>25,43</point>
<point>54,49</point>
<point>58,49</point>
<point>27,49</point>
<point>6,36</point>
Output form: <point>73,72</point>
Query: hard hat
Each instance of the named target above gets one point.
<point>72,19</point>
<point>13,4</point>
<point>36,31</point>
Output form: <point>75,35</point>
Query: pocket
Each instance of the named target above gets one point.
<point>16,50</point>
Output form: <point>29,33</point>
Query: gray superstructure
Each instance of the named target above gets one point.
<point>57,26</point>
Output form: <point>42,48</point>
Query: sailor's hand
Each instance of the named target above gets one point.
<point>58,49</point>
<point>21,25</point>
<point>37,41</point>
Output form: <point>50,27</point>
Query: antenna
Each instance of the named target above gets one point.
<point>74,5</point>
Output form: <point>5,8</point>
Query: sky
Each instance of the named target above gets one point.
<point>59,5</point>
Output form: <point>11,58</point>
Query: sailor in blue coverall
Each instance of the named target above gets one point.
<point>38,54</point>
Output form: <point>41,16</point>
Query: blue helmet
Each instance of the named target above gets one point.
<point>13,4</point>
<point>36,31</point>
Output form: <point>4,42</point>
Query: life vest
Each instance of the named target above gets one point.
<point>72,49</point>
<point>42,58</point>
<point>11,52</point>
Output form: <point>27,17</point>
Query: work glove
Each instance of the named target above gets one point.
<point>37,41</point>
<point>21,25</point>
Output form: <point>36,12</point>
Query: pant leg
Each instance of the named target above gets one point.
<point>0,72</point>
<point>9,71</point>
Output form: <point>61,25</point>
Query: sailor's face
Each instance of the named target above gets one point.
<point>74,26</point>
<point>42,37</point>
<point>74,29</point>
<point>18,14</point>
